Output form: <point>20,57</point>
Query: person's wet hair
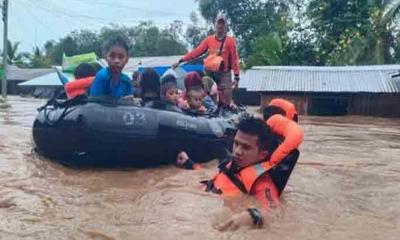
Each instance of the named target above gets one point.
<point>169,78</point>
<point>119,41</point>
<point>84,70</point>
<point>97,67</point>
<point>192,79</point>
<point>201,73</point>
<point>195,90</point>
<point>167,82</point>
<point>150,81</point>
<point>272,110</point>
<point>257,127</point>
<point>135,75</point>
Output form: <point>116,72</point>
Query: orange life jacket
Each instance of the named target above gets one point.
<point>286,106</point>
<point>223,184</point>
<point>212,44</point>
<point>291,133</point>
<point>78,86</point>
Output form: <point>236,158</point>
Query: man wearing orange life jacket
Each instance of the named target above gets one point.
<point>224,46</point>
<point>248,171</point>
<point>84,75</point>
<point>281,106</point>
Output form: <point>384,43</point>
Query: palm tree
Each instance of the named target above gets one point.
<point>374,48</point>
<point>12,50</point>
<point>39,59</point>
<point>268,51</point>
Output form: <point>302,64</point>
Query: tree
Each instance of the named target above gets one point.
<point>39,60</point>
<point>12,52</point>
<point>195,32</point>
<point>127,33</point>
<point>355,32</point>
<point>377,47</point>
<point>151,41</point>
<point>146,39</point>
<point>268,51</point>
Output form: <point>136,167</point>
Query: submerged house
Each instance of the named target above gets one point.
<point>358,90</point>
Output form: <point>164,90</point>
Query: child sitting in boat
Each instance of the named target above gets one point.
<point>84,76</point>
<point>193,81</point>
<point>169,89</point>
<point>150,83</point>
<point>110,81</point>
<point>195,98</point>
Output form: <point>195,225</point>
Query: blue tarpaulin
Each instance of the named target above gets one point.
<point>179,72</point>
<point>162,69</point>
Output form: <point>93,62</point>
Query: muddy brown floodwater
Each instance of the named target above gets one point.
<point>345,186</point>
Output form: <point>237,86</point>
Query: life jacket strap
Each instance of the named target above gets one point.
<point>210,187</point>
<point>231,175</point>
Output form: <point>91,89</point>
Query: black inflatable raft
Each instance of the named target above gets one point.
<point>104,133</point>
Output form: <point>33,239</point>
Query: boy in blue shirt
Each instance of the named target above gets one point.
<point>110,81</point>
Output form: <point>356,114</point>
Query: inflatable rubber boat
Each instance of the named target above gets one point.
<point>109,133</point>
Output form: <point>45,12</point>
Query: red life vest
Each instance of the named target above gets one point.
<point>78,87</point>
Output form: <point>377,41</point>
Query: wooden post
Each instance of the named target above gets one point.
<point>5,48</point>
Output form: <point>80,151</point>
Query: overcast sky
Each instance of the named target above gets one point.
<point>33,22</point>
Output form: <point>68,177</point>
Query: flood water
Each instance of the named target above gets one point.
<point>345,186</point>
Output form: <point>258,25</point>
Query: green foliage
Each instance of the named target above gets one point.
<point>268,51</point>
<point>146,39</point>
<point>195,32</point>
<point>355,32</point>
<point>12,49</point>
<point>39,59</point>
<point>151,41</point>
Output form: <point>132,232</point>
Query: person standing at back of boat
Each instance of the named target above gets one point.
<point>221,60</point>
<point>110,81</point>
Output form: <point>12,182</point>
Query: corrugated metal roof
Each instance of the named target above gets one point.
<point>16,73</point>
<point>50,79</point>
<point>368,79</point>
<point>136,62</point>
